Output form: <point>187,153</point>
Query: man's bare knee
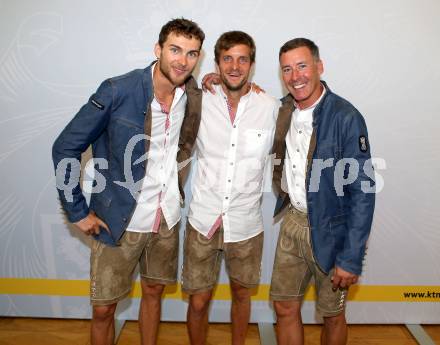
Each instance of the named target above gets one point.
<point>336,321</point>
<point>290,309</point>
<point>240,294</point>
<point>152,291</point>
<point>104,312</point>
<point>199,303</point>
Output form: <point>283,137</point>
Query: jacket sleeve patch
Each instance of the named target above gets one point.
<point>97,104</point>
<point>363,143</point>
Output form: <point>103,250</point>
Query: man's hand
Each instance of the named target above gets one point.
<point>209,80</point>
<point>256,88</point>
<point>90,225</point>
<point>342,279</point>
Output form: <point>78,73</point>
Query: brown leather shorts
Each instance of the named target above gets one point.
<point>295,265</point>
<point>111,268</point>
<point>202,260</point>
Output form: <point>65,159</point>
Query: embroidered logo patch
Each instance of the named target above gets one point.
<point>97,104</point>
<point>363,143</point>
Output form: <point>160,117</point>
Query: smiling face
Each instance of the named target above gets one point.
<point>177,57</point>
<point>234,66</point>
<point>301,75</point>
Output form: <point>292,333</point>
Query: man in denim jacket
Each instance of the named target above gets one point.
<point>326,181</point>
<point>135,124</point>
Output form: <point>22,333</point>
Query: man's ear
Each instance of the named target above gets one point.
<point>217,69</point>
<point>157,50</point>
<point>320,67</point>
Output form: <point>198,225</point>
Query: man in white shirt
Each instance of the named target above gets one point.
<point>134,123</point>
<point>233,143</point>
<point>320,139</point>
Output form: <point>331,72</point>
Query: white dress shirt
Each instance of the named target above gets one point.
<point>231,159</point>
<point>160,185</point>
<point>297,144</point>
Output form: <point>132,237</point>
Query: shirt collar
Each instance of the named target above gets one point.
<point>219,90</point>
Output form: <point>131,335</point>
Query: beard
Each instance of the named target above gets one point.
<point>231,87</point>
<point>166,71</point>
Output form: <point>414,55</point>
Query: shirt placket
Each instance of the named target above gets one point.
<point>165,110</point>
<point>296,158</point>
<point>299,158</point>
<point>231,161</point>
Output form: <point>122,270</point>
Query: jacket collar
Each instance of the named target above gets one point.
<point>191,87</point>
<point>147,83</point>
<point>285,116</point>
<point>318,110</point>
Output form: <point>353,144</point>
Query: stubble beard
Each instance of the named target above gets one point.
<point>234,87</point>
<point>166,71</point>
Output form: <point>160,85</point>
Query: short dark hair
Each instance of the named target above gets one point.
<point>298,43</point>
<point>232,38</point>
<point>181,26</point>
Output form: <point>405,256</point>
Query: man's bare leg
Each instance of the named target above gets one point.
<point>197,317</point>
<point>240,312</point>
<point>103,324</point>
<point>334,331</point>
<point>290,329</point>
<point>149,312</point>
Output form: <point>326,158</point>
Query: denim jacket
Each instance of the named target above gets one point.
<point>339,213</point>
<point>118,113</point>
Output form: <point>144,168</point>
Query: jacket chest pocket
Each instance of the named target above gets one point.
<point>126,137</point>
<point>257,142</point>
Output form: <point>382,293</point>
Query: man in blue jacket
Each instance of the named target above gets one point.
<point>326,182</point>
<point>135,124</point>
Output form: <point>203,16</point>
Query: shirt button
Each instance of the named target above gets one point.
<point>124,219</point>
<point>300,132</point>
<point>235,126</point>
<point>259,134</point>
<point>233,145</point>
<point>297,150</point>
<point>226,198</point>
<point>293,166</point>
<point>224,213</point>
<point>298,203</point>
<point>229,181</point>
<point>163,185</point>
<point>232,163</point>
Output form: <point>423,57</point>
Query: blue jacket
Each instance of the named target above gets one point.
<point>117,112</point>
<point>339,215</point>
